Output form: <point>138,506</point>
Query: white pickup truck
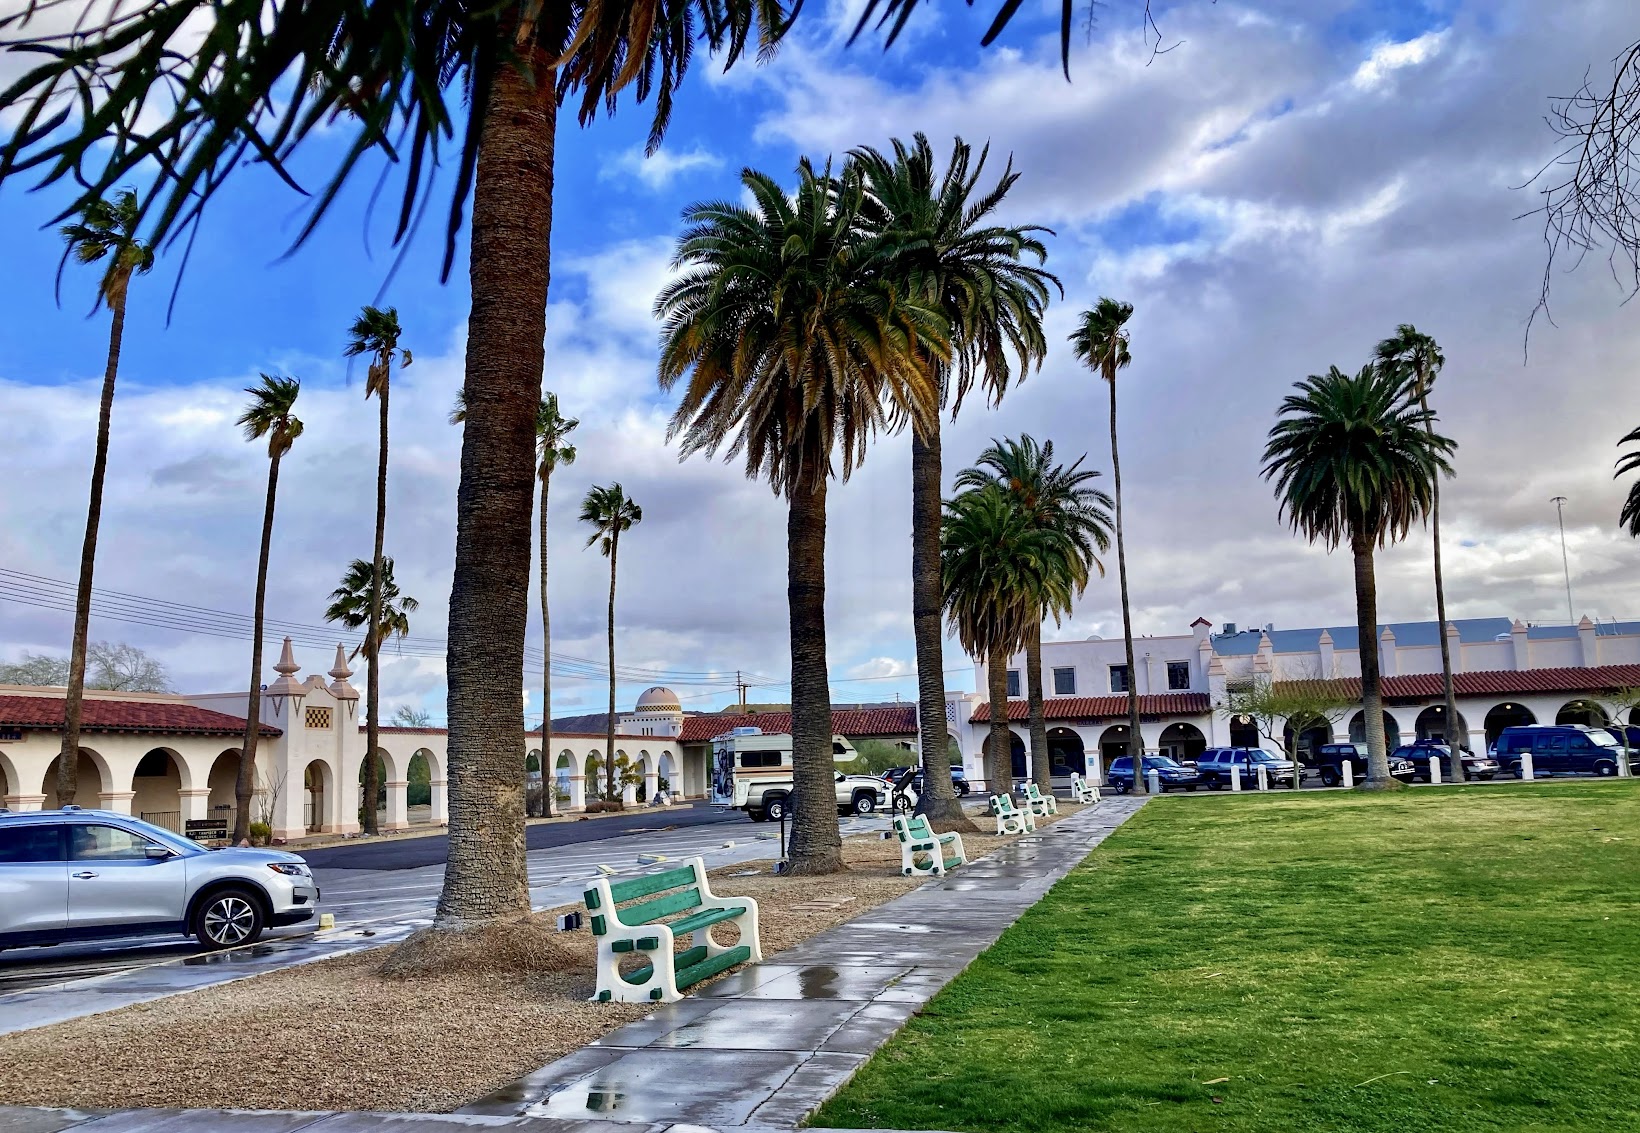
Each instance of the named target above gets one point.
<point>752,771</point>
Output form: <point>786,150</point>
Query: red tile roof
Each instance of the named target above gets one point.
<point>1503,682</point>
<point>98,715</point>
<point>1103,707</point>
<point>849,722</point>
<point>602,735</point>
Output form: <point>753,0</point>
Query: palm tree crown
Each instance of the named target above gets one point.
<point>610,511</point>
<point>1629,518</point>
<point>552,430</point>
<point>350,605</point>
<point>376,333</point>
<point>108,230</point>
<point>1101,338</point>
<point>1351,458</point>
<point>1416,355</point>
<point>270,413</point>
<point>1051,496</point>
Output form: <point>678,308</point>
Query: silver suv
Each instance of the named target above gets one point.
<point>72,875</point>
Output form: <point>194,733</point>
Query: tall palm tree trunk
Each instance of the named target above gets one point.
<point>68,756</point>
<point>609,740</point>
<point>1457,737</point>
<point>1366,631</point>
<point>938,801</point>
<point>489,593</point>
<point>816,845</point>
<point>1136,739</point>
<point>1041,765</point>
<point>999,743</point>
<point>373,686</point>
<point>549,768</point>
<point>245,784</point>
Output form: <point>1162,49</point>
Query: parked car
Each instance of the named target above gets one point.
<point>1217,764</point>
<point>1560,749</point>
<point>959,778</point>
<point>1474,766</point>
<point>1631,731</point>
<point>1331,758</point>
<point>75,875</point>
<point>1170,773</point>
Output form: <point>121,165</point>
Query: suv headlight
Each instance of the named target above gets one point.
<point>289,869</point>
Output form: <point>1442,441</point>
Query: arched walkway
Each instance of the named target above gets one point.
<point>9,783</point>
<point>1065,752</point>
<point>1244,731</point>
<point>156,788</point>
<point>1585,712</point>
<point>1503,716</point>
<point>92,786</point>
<point>1183,741</point>
<point>418,790</point>
<point>666,774</point>
<point>1017,764</point>
<point>1431,725</point>
<point>646,783</point>
<point>1358,730</point>
<point>567,780</point>
<point>319,812</point>
<point>1113,742</point>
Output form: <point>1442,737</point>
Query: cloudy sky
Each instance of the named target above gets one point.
<point>1273,195</point>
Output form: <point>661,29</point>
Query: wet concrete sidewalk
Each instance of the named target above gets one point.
<point>757,1051</point>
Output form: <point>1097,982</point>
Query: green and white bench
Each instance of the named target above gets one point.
<point>640,928</point>
<point>1039,803</point>
<point>1083,791</point>
<point>922,852</point>
<point>1009,819</point>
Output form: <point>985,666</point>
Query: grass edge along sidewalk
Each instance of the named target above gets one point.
<point>1439,960</point>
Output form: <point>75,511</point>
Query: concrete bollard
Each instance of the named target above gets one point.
<point>1154,779</point>
<point>1349,774</point>
<point>1263,778</point>
<point>1435,770</point>
<point>1526,765</point>
<point>1235,778</point>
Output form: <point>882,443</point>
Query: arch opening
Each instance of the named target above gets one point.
<point>90,785</point>
<point>1114,742</point>
<point>1585,712</point>
<point>1066,752</point>
<point>1432,725</point>
<point>156,787</point>
<point>418,791</point>
<point>1183,741</point>
<point>319,786</point>
<point>1503,716</point>
<point>1358,730</point>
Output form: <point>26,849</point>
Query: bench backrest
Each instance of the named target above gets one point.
<point>1031,792</point>
<point>1002,804</point>
<point>914,828</point>
<point>674,891</point>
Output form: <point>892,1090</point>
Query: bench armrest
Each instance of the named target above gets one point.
<point>746,922</point>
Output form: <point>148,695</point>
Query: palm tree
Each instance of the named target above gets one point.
<point>935,227</point>
<point>1101,342</point>
<point>1629,517</point>
<point>293,69</point>
<point>1419,359</point>
<point>610,512</point>
<point>376,333</point>
<point>552,450</point>
<point>104,231</point>
<point>270,414</point>
<point>1061,499</point>
<point>384,614</point>
<point>1353,462</point>
<point>796,353</point>
<point>999,568</point>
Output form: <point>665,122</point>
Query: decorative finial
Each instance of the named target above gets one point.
<point>287,685</point>
<point>339,688</point>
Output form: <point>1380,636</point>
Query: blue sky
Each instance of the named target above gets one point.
<point>1274,194</point>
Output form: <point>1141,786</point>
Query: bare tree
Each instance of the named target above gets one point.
<point>125,668</point>
<point>1285,710</point>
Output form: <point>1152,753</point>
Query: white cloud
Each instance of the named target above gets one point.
<point>1388,58</point>
<point>660,169</point>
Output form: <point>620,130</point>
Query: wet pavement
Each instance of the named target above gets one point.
<point>756,1052</point>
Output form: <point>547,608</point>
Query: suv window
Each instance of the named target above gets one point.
<point>37,842</point>
<point>95,843</point>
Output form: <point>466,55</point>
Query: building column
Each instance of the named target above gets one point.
<point>24,802</point>
<point>397,816</point>
<point>117,801</point>
<point>441,802</point>
<point>193,804</point>
<point>577,792</point>
<point>629,794</point>
<point>651,784</point>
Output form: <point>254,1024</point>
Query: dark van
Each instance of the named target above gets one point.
<point>1559,749</point>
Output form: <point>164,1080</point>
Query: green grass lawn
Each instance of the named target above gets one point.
<point>1436,959</point>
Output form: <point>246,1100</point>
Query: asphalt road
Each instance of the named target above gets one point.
<point>413,853</point>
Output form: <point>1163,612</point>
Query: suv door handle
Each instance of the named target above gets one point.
<point>85,873</point>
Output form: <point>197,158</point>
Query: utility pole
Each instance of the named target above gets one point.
<point>1565,564</point>
<point>740,685</point>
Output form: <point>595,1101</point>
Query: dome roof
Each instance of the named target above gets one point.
<point>659,697</point>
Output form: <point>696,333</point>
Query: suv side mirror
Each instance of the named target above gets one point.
<point>157,853</point>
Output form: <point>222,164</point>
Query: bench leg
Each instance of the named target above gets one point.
<point>613,987</point>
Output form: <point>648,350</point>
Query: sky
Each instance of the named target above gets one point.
<point>1274,193</point>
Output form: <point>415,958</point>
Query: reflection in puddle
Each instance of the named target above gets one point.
<point>233,956</point>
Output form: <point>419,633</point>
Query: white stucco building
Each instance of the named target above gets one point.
<point>1506,673</point>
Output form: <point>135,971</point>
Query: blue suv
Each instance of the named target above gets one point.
<point>1560,749</point>
<point>1170,773</point>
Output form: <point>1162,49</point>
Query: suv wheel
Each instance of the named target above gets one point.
<point>228,918</point>
<point>1517,770</point>
<point>864,804</point>
<point>1212,781</point>
<point>1605,769</point>
<point>1122,786</point>
<point>774,809</point>
<point>962,787</point>
<point>1329,777</point>
<point>901,804</point>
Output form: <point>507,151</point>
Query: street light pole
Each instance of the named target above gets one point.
<point>1565,565</point>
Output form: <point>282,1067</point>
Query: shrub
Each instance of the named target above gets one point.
<point>418,794</point>
<point>261,834</point>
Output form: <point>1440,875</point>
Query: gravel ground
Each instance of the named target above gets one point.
<point>337,1035</point>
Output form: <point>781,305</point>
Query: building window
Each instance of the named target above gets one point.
<point>1064,682</point>
<point>1118,678</point>
<point>1178,675</point>
<point>317,717</point>
<point>1013,682</point>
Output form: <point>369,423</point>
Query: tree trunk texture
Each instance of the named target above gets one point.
<point>1041,764</point>
<point>373,685</point>
<point>1457,736</point>
<point>1372,700</point>
<point>549,767</point>
<point>999,742</point>
<point>489,593</point>
<point>938,801</point>
<point>609,741</point>
<point>245,784</point>
<point>68,756</point>
<point>816,845</point>
<point>1136,739</point>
